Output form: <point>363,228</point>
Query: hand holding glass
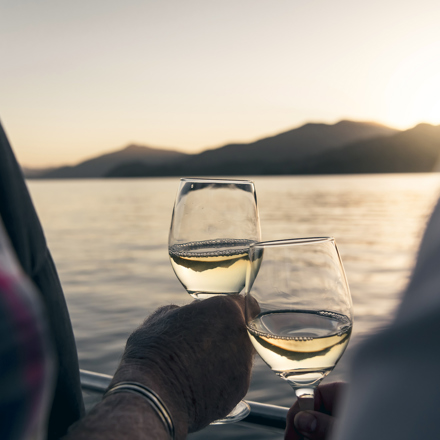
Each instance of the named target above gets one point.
<point>214,221</point>
<point>303,321</point>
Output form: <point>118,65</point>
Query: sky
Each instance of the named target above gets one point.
<point>84,77</point>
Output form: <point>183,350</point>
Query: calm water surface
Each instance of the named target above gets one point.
<point>109,241</point>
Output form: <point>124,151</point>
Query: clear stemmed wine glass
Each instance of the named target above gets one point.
<point>214,221</point>
<point>298,310</point>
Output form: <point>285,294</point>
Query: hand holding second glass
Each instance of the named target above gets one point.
<point>304,320</point>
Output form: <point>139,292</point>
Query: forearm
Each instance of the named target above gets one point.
<point>130,416</point>
<point>120,416</point>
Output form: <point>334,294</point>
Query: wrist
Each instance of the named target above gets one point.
<point>119,416</point>
<point>164,384</point>
<point>150,397</point>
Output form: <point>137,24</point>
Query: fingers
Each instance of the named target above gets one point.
<point>252,308</point>
<point>165,309</point>
<point>328,396</point>
<point>291,433</point>
<point>160,313</point>
<point>247,304</point>
<point>238,300</point>
<point>310,424</point>
<point>224,304</point>
<point>314,425</point>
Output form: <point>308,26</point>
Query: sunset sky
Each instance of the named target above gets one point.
<point>83,77</point>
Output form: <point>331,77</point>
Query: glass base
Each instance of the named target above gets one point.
<point>238,413</point>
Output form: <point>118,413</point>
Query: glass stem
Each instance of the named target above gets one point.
<point>306,398</point>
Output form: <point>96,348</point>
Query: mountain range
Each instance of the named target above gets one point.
<point>314,148</point>
<point>102,165</point>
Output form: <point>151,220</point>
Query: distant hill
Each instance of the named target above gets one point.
<point>307,140</point>
<point>414,150</point>
<point>265,155</point>
<point>31,173</point>
<point>101,165</point>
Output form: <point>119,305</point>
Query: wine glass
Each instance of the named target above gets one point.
<point>213,223</point>
<point>298,310</point>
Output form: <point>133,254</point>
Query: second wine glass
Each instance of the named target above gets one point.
<point>298,310</point>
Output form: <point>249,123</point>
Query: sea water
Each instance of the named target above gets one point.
<point>109,240</point>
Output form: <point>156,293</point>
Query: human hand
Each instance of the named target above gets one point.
<point>198,358</point>
<point>315,425</point>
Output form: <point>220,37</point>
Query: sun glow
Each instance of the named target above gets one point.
<point>413,93</point>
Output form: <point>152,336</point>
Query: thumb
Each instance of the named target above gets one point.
<point>314,425</point>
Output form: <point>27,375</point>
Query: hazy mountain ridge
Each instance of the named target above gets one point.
<point>101,165</point>
<point>413,150</point>
<point>306,140</point>
<point>31,173</point>
<point>281,153</point>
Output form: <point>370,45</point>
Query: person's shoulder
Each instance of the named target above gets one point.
<point>25,350</point>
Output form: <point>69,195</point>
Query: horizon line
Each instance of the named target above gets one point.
<point>180,150</point>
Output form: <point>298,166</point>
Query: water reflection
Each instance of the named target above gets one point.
<point>109,241</point>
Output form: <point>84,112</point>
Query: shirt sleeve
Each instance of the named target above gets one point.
<point>29,245</point>
<point>394,387</point>
<point>26,360</point>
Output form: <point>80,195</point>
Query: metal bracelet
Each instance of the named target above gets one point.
<point>153,399</point>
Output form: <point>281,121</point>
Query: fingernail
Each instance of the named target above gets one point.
<point>306,422</point>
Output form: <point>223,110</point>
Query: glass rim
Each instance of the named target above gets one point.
<point>215,180</point>
<point>292,241</point>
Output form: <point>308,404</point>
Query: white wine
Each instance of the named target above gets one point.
<point>211,267</point>
<point>300,346</point>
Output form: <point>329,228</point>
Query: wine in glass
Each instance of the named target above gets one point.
<point>214,221</point>
<point>298,310</point>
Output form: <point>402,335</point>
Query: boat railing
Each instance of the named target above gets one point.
<point>262,414</point>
